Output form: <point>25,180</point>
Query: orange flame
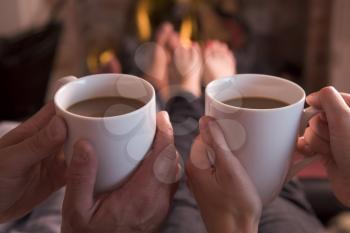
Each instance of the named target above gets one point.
<point>186,31</point>
<point>95,60</point>
<point>143,21</point>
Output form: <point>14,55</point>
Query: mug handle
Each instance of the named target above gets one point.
<point>308,113</point>
<point>60,83</point>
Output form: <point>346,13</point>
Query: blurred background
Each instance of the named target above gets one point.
<point>306,41</point>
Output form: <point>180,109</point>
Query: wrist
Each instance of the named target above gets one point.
<point>247,226</point>
<point>228,223</point>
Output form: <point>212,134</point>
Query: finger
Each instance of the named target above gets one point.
<point>226,164</point>
<point>211,134</point>
<point>332,102</point>
<point>304,148</point>
<point>58,170</point>
<point>39,146</point>
<point>316,144</point>
<point>314,99</point>
<point>346,97</point>
<point>198,167</point>
<point>320,127</point>
<point>229,172</point>
<point>199,156</point>
<point>161,166</point>
<point>165,167</point>
<point>81,178</point>
<point>165,133</point>
<point>165,161</point>
<point>29,127</point>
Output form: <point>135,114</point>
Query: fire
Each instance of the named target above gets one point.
<point>106,57</point>
<point>94,61</point>
<point>186,30</point>
<point>143,20</point>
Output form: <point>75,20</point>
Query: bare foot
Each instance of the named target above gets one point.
<point>157,72</point>
<point>219,62</point>
<point>186,69</point>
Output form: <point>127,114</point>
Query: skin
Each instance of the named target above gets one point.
<point>31,165</point>
<point>186,69</point>
<point>157,73</point>
<point>174,66</point>
<point>215,182</point>
<point>140,205</point>
<point>219,61</point>
<point>32,168</point>
<point>328,135</point>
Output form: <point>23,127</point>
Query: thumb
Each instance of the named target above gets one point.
<point>225,162</point>
<point>81,178</point>
<point>228,169</point>
<point>39,146</point>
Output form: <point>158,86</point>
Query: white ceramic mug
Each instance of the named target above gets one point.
<point>120,142</point>
<point>263,139</point>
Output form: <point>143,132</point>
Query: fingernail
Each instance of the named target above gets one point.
<point>80,155</point>
<point>57,129</point>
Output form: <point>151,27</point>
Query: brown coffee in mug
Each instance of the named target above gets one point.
<point>105,106</point>
<point>255,103</point>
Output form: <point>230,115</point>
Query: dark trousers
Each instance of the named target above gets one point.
<point>289,213</point>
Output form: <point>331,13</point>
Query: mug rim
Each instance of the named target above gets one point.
<point>240,76</point>
<point>105,76</point>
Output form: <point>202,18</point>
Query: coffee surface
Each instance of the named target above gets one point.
<point>105,106</point>
<point>256,103</point>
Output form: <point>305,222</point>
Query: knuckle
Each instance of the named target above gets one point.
<point>327,90</point>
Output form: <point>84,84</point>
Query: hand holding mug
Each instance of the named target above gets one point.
<point>31,165</point>
<point>140,205</point>
<point>223,190</point>
<point>328,135</point>
<point>260,116</point>
<point>120,133</point>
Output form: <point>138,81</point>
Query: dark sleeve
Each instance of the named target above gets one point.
<point>185,111</point>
